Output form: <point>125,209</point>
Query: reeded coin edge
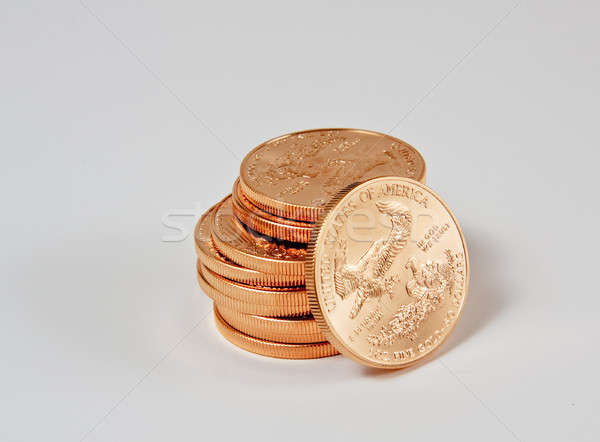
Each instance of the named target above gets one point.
<point>301,330</point>
<point>269,348</point>
<point>249,276</point>
<point>255,295</point>
<point>275,311</point>
<point>239,195</point>
<point>268,227</point>
<point>261,264</point>
<point>311,289</point>
<point>229,269</point>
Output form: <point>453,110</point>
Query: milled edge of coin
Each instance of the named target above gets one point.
<point>219,264</point>
<point>266,226</point>
<point>246,276</point>
<point>245,202</point>
<point>247,307</point>
<point>311,288</point>
<point>255,294</point>
<point>272,349</point>
<point>301,330</point>
<point>261,264</point>
<point>299,212</point>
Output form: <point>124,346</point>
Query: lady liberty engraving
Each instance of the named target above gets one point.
<point>429,285</point>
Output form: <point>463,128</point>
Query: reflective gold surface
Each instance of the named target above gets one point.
<point>239,246</point>
<point>300,330</point>
<point>209,256</point>
<point>256,294</point>
<point>294,175</point>
<point>249,307</point>
<point>272,349</point>
<point>267,224</point>
<point>387,272</point>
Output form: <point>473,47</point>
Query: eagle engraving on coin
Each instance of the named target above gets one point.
<point>367,278</point>
<point>334,159</point>
<point>387,272</point>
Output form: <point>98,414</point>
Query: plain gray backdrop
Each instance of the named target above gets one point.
<point>118,115</point>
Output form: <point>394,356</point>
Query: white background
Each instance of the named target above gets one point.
<point>114,114</point>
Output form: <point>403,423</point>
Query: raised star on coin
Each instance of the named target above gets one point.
<point>387,272</point>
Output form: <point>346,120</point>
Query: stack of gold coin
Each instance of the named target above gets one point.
<point>252,245</point>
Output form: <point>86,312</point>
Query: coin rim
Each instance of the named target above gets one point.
<point>275,311</point>
<point>210,257</point>
<point>266,226</point>
<point>291,268</point>
<point>237,193</point>
<point>299,330</point>
<point>271,349</point>
<point>301,212</point>
<point>311,289</point>
<point>277,296</point>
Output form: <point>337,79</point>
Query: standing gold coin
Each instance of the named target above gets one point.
<point>293,176</point>
<point>388,295</point>
<point>209,256</point>
<point>272,349</point>
<point>248,307</point>
<point>299,330</point>
<point>239,246</point>
<point>267,224</point>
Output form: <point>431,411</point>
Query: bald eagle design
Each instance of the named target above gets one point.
<point>367,277</point>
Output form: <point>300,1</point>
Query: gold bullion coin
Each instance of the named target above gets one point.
<point>267,224</point>
<point>210,257</point>
<point>272,349</point>
<point>256,294</point>
<point>248,307</point>
<point>387,295</point>
<point>293,176</point>
<point>299,330</point>
<point>237,191</point>
<point>246,250</point>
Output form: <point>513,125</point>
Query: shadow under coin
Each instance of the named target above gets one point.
<point>487,290</point>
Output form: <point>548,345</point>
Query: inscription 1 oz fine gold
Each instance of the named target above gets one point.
<point>387,272</point>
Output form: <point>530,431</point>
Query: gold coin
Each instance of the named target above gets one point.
<point>387,295</point>
<point>283,310</point>
<point>256,294</point>
<point>272,349</point>
<point>209,256</point>
<point>267,224</point>
<point>294,175</point>
<point>237,190</point>
<point>300,330</point>
<point>234,242</point>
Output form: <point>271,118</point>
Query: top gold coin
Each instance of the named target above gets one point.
<point>387,272</point>
<point>293,176</point>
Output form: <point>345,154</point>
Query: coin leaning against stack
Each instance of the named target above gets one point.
<point>252,245</point>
